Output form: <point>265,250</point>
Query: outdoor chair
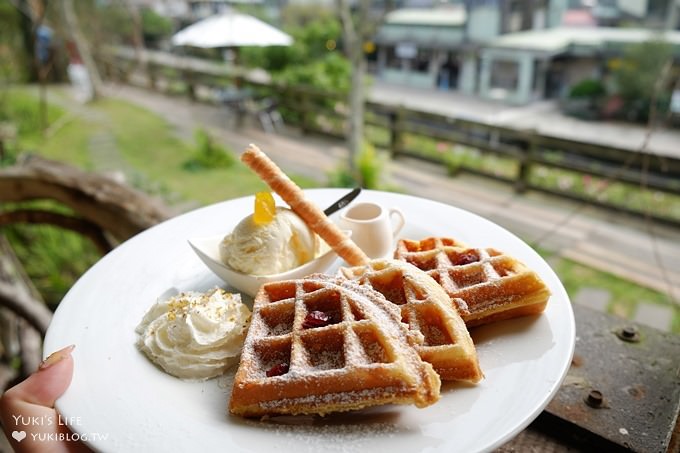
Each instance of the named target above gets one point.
<point>240,103</point>
<point>267,114</point>
<point>234,100</point>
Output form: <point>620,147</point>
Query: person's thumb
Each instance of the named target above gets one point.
<point>27,409</point>
<point>47,384</point>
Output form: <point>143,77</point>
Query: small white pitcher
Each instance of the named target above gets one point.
<point>372,227</point>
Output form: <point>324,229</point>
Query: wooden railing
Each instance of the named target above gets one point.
<point>525,154</point>
<point>89,204</point>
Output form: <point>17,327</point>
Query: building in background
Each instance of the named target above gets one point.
<point>515,51</point>
<point>438,47</point>
<point>545,64</point>
<point>421,46</point>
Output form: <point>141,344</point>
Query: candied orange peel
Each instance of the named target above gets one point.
<point>265,208</point>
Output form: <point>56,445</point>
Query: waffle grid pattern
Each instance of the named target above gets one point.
<point>426,309</point>
<point>483,283</point>
<point>361,355</point>
<point>349,340</point>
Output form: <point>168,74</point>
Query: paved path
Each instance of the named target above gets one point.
<point>612,243</point>
<point>545,117</point>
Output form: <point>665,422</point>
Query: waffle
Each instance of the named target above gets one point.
<point>427,309</point>
<point>362,355</point>
<point>484,284</point>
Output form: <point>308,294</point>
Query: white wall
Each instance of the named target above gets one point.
<point>633,7</point>
<point>484,23</point>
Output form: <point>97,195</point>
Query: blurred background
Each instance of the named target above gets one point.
<point>557,119</point>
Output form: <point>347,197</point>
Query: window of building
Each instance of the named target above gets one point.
<point>504,74</point>
<point>422,60</point>
<point>408,55</point>
<point>392,61</point>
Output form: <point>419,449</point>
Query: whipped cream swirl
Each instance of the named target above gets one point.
<point>194,335</point>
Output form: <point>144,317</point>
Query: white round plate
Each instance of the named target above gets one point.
<point>120,402</point>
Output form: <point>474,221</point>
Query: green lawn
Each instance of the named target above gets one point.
<point>147,145</point>
<point>68,144</point>
<point>625,295</point>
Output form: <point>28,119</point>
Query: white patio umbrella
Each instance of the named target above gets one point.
<point>231,29</point>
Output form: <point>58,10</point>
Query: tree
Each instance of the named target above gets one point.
<point>314,44</point>
<point>137,34</point>
<point>16,40</point>
<point>357,30</point>
<point>154,25</point>
<point>37,40</point>
<point>81,44</point>
<point>637,73</point>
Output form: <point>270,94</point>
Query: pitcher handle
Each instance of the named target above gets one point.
<point>401,221</point>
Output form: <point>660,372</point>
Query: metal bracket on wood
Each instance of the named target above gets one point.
<point>622,392</point>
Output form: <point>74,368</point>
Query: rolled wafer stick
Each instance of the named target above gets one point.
<point>270,173</point>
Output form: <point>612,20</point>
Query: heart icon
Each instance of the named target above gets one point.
<point>19,435</point>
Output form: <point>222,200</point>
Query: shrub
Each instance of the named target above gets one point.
<point>460,157</point>
<point>369,168</point>
<point>23,110</point>
<point>341,177</point>
<point>636,76</point>
<point>48,253</point>
<point>208,154</point>
<point>154,25</point>
<point>13,56</point>
<point>588,88</point>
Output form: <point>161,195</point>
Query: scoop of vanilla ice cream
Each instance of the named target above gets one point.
<point>279,246</point>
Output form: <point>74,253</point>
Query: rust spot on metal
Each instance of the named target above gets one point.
<point>577,361</point>
<point>578,413</point>
<point>637,391</point>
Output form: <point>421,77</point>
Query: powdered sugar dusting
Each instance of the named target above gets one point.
<point>439,333</point>
<point>487,282</point>
<point>321,357</point>
<point>315,434</point>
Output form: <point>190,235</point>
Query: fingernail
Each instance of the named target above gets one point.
<point>56,357</point>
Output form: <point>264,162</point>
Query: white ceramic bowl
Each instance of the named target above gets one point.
<point>208,250</point>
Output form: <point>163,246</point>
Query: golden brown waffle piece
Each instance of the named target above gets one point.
<point>427,244</point>
<point>427,309</point>
<point>270,173</point>
<point>319,345</point>
<point>485,284</point>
